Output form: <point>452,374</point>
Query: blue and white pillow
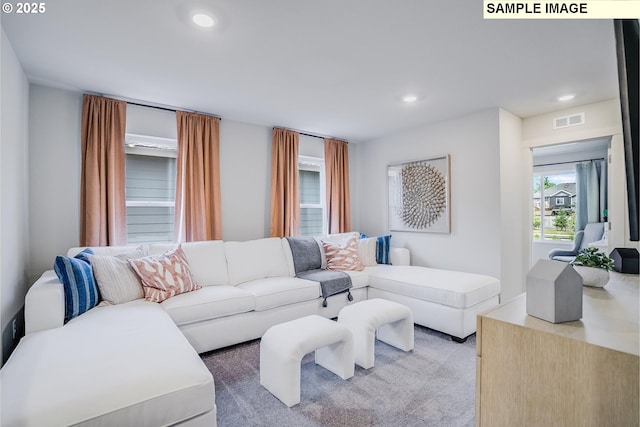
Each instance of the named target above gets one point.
<point>80,290</point>
<point>383,243</point>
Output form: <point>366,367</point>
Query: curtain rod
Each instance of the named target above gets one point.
<point>310,134</point>
<point>157,106</point>
<point>566,163</point>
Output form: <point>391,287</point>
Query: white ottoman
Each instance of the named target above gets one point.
<point>393,321</point>
<point>283,346</point>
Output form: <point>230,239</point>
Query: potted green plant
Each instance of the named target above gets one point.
<point>593,266</point>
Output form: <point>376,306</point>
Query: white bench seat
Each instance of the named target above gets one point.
<point>283,346</point>
<point>390,321</point>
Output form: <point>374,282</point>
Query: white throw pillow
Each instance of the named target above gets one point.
<point>367,251</point>
<point>116,280</point>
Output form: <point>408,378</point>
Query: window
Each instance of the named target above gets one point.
<point>311,184</point>
<point>150,188</point>
<point>557,220</point>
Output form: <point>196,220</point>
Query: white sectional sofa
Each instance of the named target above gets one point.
<point>118,363</point>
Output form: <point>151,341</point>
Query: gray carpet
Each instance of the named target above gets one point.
<point>434,385</point>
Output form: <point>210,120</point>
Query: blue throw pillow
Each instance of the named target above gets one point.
<point>80,290</point>
<point>383,243</point>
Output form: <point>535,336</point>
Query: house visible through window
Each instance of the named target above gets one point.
<point>311,184</point>
<point>150,188</point>
<point>554,204</point>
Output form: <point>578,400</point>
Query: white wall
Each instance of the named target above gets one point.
<point>151,122</point>
<point>245,180</point>
<point>601,119</point>
<point>54,173</point>
<point>514,232</point>
<point>473,143</point>
<point>14,206</point>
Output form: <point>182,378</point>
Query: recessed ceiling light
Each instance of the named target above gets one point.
<point>203,20</point>
<point>409,98</point>
<point>565,98</point>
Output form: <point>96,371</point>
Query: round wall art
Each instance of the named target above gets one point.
<point>419,196</point>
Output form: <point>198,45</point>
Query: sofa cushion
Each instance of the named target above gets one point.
<point>118,365</point>
<point>359,279</point>
<point>116,280</point>
<point>452,288</point>
<point>278,291</point>
<point>255,259</point>
<point>206,259</point>
<point>207,303</point>
<point>164,275</point>
<point>80,290</point>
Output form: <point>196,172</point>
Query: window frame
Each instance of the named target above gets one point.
<point>150,146</point>
<point>316,164</point>
<point>539,175</point>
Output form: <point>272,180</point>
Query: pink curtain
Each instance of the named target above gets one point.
<point>285,204</point>
<point>103,219</point>
<point>336,160</point>
<point>198,215</point>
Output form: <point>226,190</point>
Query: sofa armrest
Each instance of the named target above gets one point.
<point>44,304</point>
<point>399,256</point>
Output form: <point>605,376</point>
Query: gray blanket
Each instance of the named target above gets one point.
<point>307,262</point>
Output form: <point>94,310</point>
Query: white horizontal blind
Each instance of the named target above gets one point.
<point>150,193</point>
<point>312,198</point>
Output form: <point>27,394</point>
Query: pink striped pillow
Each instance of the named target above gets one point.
<point>343,255</point>
<point>164,275</point>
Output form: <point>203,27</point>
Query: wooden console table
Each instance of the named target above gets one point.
<point>584,373</point>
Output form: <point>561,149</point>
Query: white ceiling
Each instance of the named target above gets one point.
<point>331,67</point>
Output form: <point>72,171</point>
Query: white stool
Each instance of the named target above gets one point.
<point>393,321</point>
<point>283,346</point>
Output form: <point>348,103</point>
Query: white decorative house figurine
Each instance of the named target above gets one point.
<point>554,292</point>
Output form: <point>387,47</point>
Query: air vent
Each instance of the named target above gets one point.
<point>567,121</point>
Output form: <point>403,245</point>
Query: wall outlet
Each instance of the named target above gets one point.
<point>15,329</point>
